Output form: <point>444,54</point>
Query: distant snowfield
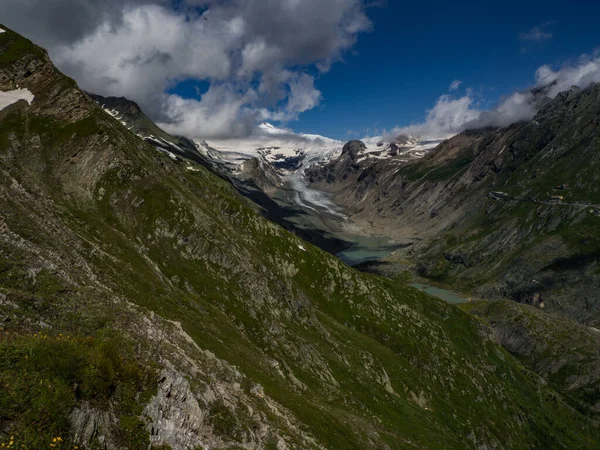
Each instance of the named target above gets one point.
<point>9,97</point>
<point>2,30</point>
<point>292,153</point>
<point>275,144</point>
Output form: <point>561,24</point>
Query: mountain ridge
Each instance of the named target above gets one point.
<point>149,305</point>
<point>506,212</point>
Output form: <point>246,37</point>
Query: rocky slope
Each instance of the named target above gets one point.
<point>503,213</point>
<point>147,305</point>
<point>564,353</point>
<point>257,174</point>
<point>133,118</point>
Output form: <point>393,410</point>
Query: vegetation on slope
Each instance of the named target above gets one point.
<point>257,338</point>
<point>564,353</point>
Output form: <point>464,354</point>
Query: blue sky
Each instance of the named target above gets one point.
<point>398,70</point>
<point>259,59</point>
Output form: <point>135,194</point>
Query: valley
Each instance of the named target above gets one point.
<point>434,208</point>
<point>159,292</point>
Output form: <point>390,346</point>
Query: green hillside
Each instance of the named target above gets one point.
<point>147,304</point>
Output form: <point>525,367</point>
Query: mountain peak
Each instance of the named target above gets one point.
<point>268,128</point>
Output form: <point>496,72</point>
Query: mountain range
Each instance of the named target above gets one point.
<point>146,301</point>
<point>501,213</point>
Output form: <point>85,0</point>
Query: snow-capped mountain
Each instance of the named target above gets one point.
<point>284,150</point>
<point>291,153</point>
<point>274,158</point>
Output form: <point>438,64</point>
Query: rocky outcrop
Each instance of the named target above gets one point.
<point>565,354</point>
<point>175,417</point>
<point>340,168</point>
<point>261,174</point>
<point>91,425</point>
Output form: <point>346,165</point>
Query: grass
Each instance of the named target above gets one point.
<point>56,133</point>
<point>44,376</point>
<point>16,47</point>
<point>195,253</point>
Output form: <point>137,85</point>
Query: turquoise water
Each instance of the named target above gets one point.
<point>444,294</point>
<point>374,248</point>
<point>367,248</point>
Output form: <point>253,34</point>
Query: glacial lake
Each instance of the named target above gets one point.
<point>367,248</point>
<point>375,248</point>
<point>444,294</point>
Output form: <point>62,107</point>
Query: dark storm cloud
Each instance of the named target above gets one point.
<point>55,22</point>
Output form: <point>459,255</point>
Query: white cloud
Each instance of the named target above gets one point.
<point>219,113</point>
<point>451,116</point>
<point>454,85</point>
<point>444,120</point>
<point>536,36</point>
<point>258,56</point>
<point>582,73</point>
<point>538,33</point>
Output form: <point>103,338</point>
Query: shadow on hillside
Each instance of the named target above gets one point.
<point>573,262</point>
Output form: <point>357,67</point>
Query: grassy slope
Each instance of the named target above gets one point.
<point>100,218</point>
<point>508,243</point>
<point>566,354</point>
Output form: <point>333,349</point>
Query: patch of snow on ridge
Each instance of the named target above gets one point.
<point>2,31</point>
<point>9,97</point>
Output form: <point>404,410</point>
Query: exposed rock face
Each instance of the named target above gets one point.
<point>565,354</point>
<point>502,212</point>
<point>150,304</point>
<point>341,167</point>
<point>261,174</point>
<point>92,425</point>
<point>353,148</point>
<point>175,416</point>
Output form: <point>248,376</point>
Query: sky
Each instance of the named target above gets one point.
<point>340,68</point>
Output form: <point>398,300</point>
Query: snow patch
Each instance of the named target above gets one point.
<point>9,97</point>
<point>301,247</point>
<point>2,31</point>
